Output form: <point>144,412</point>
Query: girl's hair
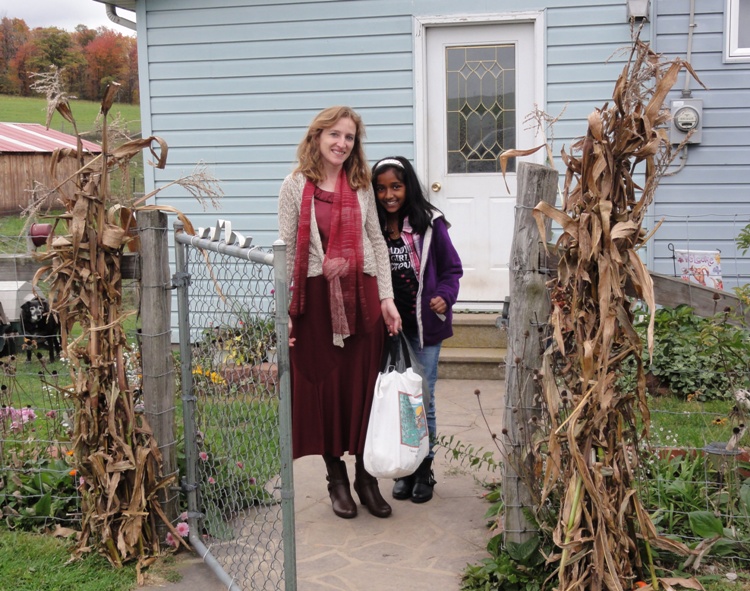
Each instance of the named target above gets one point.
<point>416,206</point>
<point>310,162</point>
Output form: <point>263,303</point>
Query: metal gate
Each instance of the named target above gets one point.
<point>237,465</point>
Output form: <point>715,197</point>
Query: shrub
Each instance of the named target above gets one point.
<point>694,357</point>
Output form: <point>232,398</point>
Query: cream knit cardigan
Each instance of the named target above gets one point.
<point>376,258</point>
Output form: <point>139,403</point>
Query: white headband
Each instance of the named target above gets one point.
<point>389,161</point>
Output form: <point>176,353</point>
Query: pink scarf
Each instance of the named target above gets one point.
<point>343,264</point>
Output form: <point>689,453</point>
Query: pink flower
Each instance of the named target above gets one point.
<point>203,456</point>
<point>252,480</point>
<point>211,480</point>
<point>81,481</point>
<point>52,414</point>
<point>16,426</point>
<point>171,541</point>
<point>27,414</point>
<point>183,529</point>
<point>184,516</point>
<point>240,465</point>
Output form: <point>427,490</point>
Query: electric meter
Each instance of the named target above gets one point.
<point>686,118</point>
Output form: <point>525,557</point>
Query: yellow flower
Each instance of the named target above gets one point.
<point>719,421</point>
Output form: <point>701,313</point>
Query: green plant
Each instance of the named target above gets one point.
<point>694,357</point>
<point>250,341</point>
<point>468,455</point>
<point>513,567</point>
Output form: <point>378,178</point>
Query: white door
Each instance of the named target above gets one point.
<point>480,86</point>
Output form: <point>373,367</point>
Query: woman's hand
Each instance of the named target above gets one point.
<point>291,340</point>
<point>391,316</point>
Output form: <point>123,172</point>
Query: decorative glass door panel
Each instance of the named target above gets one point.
<point>480,106</point>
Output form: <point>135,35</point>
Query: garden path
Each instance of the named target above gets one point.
<point>420,547</point>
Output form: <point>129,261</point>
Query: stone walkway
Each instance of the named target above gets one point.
<point>420,547</point>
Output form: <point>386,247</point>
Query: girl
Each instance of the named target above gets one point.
<point>338,263</point>
<point>425,270</point>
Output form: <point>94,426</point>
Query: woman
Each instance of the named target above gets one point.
<point>341,293</point>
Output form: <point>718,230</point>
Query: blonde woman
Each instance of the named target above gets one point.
<point>341,295</point>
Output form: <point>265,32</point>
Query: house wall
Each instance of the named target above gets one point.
<point>236,84</point>
<point>714,186</point>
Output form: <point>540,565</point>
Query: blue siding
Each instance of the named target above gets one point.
<point>714,187</point>
<point>235,84</point>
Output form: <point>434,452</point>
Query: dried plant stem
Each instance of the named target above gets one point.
<point>592,449</point>
<point>571,522</point>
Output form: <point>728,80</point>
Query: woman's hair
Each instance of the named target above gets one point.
<point>416,206</point>
<point>310,162</point>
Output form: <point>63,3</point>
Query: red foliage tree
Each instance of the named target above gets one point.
<point>107,60</point>
<point>89,58</point>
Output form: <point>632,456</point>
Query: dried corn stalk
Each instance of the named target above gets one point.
<point>118,461</point>
<point>593,444</point>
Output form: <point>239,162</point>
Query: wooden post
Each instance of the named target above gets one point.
<point>528,312</point>
<point>156,347</point>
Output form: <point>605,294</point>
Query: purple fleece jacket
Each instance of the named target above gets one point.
<point>440,270</point>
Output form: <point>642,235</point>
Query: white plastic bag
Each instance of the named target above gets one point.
<point>397,439</point>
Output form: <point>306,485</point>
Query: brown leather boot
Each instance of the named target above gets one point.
<point>338,488</point>
<point>366,487</point>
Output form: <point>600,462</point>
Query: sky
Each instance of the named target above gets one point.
<point>65,14</point>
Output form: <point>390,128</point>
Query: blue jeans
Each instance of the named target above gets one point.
<point>428,359</point>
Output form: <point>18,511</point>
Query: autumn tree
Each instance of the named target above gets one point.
<point>107,60</point>
<point>89,58</point>
<point>13,34</point>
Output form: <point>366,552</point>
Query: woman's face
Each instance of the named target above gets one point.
<point>337,142</point>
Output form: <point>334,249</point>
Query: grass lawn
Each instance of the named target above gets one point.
<point>678,423</point>
<point>17,109</point>
<point>34,562</point>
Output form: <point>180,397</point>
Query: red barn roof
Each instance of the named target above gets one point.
<point>33,137</point>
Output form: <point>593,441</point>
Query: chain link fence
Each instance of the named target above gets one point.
<point>236,416</point>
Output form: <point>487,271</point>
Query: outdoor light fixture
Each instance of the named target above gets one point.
<point>638,9</point>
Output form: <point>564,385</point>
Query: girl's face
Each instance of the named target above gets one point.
<point>337,142</point>
<point>390,191</point>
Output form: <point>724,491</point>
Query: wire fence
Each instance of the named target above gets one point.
<point>236,422</point>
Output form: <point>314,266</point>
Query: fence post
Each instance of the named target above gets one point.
<point>285,414</point>
<point>529,310</point>
<point>156,350</point>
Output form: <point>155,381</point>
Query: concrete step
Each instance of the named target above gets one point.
<point>478,330</point>
<point>471,363</point>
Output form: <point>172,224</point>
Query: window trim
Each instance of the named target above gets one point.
<point>732,51</point>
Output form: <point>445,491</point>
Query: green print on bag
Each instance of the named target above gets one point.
<point>413,419</point>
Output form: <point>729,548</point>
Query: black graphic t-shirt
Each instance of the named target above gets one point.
<point>405,282</point>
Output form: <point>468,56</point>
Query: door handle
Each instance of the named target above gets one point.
<point>436,186</point>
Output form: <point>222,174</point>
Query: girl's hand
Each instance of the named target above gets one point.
<point>391,316</point>
<point>438,305</point>
<point>291,340</point>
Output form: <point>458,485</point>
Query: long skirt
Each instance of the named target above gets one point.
<point>332,387</point>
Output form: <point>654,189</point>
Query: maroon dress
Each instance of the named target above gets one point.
<point>332,387</point>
